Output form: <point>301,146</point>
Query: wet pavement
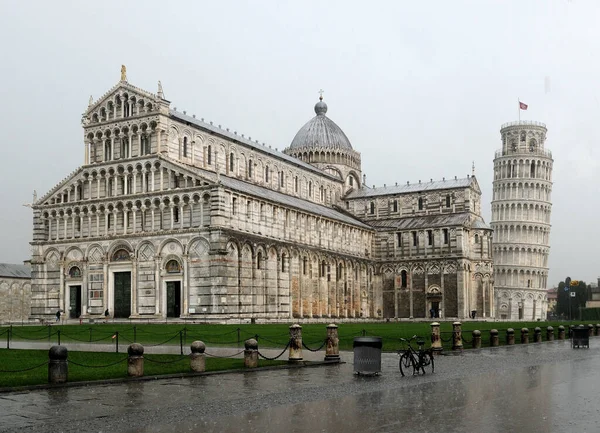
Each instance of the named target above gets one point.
<point>533,388</point>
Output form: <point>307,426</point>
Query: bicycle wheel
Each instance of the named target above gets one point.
<point>406,364</point>
<point>427,363</point>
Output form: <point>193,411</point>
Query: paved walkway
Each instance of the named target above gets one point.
<point>532,388</point>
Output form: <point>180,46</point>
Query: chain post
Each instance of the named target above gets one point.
<point>134,334</point>
<point>117,342</point>
<point>8,339</point>
<point>181,342</point>
<point>58,336</point>
<point>90,334</point>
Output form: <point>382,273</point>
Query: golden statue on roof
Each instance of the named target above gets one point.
<point>123,73</point>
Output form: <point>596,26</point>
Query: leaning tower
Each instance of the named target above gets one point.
<point>521,207</point>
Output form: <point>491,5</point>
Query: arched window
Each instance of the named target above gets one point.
<point>250,168</point>
<point>420,203</point>
<point>259,259</point>
<point>176,214</point>
<point>107,154</point>
<point>121,255</point>
<point>304,265</point>
<point>523,137</point>
<point>209,155</point>
<point>532,169</point>
<point>185,147</point>
<point>476,239</point>
<point>310,188</point>
<point>395,206</point>
<point>75,272</point>
<point>267,174</point>
<point>372,209</point>
<point>295,183</point>
<point>404,279</point>
<point>283,264</point>
<point>351,180</point>
<point>231,162</point>
<point>173,267</point>
<point>448,200</point>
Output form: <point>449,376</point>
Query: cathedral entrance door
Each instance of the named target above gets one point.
<point>74,302</point>
<point>122,300</point>
<point>173,299</point>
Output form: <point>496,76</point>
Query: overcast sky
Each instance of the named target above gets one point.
<point>420,88</point>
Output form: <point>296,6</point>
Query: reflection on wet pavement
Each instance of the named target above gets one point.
<point>535,388</point>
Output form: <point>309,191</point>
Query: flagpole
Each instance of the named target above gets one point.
<point>519,107</point>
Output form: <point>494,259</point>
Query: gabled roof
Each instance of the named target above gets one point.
<point>8,270</point>
<point>124,85</point>
<point>415,187</point>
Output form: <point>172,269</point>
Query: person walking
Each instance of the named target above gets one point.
<point>58,315</point>
<point>106,316</point>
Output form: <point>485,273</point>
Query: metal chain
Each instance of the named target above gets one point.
<point>165,362</point>
<point>164,342</point>
<point>229,356</point>
<point>98,366</point>
<point>278,356</point>
<point>314,350</point>
<point>25,369</point>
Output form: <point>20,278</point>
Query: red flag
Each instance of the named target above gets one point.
<point>522,106</point>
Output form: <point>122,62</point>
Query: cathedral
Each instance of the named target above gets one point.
<point>171,216</point>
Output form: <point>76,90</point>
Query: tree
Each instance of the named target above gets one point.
<point>577,302</point>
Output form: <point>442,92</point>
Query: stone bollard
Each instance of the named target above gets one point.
<point>295,343</point>
<point>436,341</point>
<point>251,353</point>
<point>537,334</point>
<point>510,336</point>
<point>476,339</point>
<point>524,336</point>
<point>58,365</point>
<point>197,357</point>
<point>561,332</point>
<point>550,333</point>
<point>494,339</point>
<point>590,330</point>
<point>457,336</point>
<point>135,360</point>
<point>332,351</point>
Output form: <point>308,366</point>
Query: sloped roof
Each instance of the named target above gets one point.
<point>430,221</point>
<point>258,147</point>
<point>269,194</point>
<point>292,201</point>
<point>415,187</point>
<point>9,270</point>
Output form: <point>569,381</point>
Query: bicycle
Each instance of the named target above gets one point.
<point>419,360</point>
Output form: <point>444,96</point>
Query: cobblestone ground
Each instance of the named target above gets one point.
<point>534,388</point>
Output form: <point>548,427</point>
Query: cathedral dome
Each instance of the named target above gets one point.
<point>320,131</point>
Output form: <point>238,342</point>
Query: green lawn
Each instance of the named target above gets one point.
<point>268,335</point>
<point>100,366</point>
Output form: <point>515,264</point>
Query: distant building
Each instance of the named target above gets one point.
<point>552,296</point>
<point>15,292</point>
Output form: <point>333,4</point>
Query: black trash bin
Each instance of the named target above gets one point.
<point>367,355</point>
<point>580,337</point>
